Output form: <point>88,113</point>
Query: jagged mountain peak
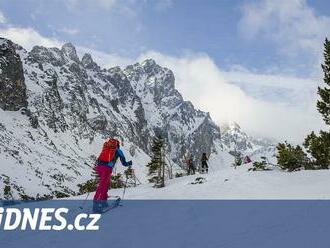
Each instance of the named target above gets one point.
<point>8,44</point>
<point>69,50</point>
<point>149,63</point>
<point>68,47</point>
<point>237,141</point>
<point>230,126</point>
<point>4,41</point>
<point>149,67</point>
<point>151,75</point>
<point>88,62</point>
<point>87,58</point>
<point>42,54</point>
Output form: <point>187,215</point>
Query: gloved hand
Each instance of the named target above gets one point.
<point>129,171</point>
<point>129,163</point>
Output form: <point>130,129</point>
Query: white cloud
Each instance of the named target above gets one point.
<point>107,4</point>
<point>210,89</point>
<point>28,37</point>
<point>293,25</point>
<point>3,19</point>
<point>70,31</point>
<point>274,87</point>
<point>162,5</point>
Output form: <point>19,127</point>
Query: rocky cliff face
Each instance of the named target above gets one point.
<point>187,130</point>
<point>70,106</point>
<point>12,85</point>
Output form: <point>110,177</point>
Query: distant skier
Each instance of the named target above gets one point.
<point>247,159</point>
<point>106,161</point>
<point>191,166</point>
<point>205,167</point>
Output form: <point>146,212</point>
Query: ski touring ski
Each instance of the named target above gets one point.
<point>113,204</point>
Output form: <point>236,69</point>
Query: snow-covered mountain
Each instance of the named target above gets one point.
<point>236,141</point>
<point>56,110</point>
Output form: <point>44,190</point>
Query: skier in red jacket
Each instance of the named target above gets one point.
<point>106,161</point>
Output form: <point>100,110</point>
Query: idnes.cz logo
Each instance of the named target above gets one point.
<point>46,219</point>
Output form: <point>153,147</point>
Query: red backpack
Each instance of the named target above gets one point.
<point>109,150</point>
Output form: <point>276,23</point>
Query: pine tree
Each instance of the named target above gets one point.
<point>238,161</point>
<point>323,105</point>
<point>319,148</point>
<point>238,158</point>
<point>157,163</point>
<point>319,145</point>
<point>291,157</point>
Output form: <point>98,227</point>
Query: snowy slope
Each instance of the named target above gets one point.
<point>240,184</point>
<point>226,182</point>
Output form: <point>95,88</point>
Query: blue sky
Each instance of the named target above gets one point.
<point>171,27</point>
<point>265,54</point>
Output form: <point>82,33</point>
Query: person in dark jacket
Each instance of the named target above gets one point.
<point>205,167</point>
<point>191,166</point>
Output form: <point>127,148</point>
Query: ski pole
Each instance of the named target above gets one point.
<point>124,188</point>
<point>136,177</point>
<point>82,206</point>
